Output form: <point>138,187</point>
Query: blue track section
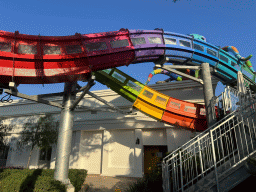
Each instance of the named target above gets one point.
<point>187,50</point>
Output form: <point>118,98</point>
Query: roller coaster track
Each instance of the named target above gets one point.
<point>158,105</point>
<point>31,59</point>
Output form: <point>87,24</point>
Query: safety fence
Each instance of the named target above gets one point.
<point>216,151</point>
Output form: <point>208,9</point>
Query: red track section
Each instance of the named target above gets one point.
<point>29,64</point>
<point>186,114</point>
<point>31,59</point>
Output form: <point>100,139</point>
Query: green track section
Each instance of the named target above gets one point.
<point>130,88</point>
<point>121,83</point>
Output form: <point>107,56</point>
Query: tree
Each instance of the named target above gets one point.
<point>4,129</point>
<point>43,134</point>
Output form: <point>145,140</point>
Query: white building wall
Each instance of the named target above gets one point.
<point>138,154</point>
<point>105,152</point>
<point>121,149</point>
<point>90,151</point>
<point>74,161</point>
<point>20,157</point>
<point>119,153</point>
<point>53,157</point>
<point>154,137</point>
<point>177,137</point>
<point>105,143</point>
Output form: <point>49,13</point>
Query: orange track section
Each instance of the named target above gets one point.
<point>172,111</point>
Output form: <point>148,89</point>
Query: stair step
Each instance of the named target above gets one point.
<point>209,181</point>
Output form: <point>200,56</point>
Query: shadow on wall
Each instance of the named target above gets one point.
<point>88,144</point>
<point>122,155</point>
<point>22,155</point>
<point>19,157</point>
<point>91,152</point>
<point>87,147</point>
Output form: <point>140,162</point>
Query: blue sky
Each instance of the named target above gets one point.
<point>222,22</point>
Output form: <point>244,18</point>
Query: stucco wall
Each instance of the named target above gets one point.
<point>105,143</point>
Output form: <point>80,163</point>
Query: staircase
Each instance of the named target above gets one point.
<point>216,159</point>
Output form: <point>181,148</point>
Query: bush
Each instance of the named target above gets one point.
<point>12,181</point>
<point>29,180</point>
<point>77,177</point>
<point>47,183</point>
<point>149,183</point>
<point>12,167</point>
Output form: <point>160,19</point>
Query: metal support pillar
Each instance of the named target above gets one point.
<point>208,94</point>
<point>65,135</point>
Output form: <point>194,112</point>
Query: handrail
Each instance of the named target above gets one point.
<point>217,123</point>
<point>215,151</point>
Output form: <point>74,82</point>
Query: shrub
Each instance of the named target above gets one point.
<point>77,177</point>
<point>47,183</point>
<point>27,180</point>
<point>149,183</point>
<point>12,167</point>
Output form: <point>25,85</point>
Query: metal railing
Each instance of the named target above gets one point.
<point>228,100</point>
<point>214,152</point>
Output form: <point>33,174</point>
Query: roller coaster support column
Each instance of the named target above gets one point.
<point>65,135</point>
<point>208,94</point>
<point>65,130</point>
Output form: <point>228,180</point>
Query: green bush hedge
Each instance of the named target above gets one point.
<point>30,180</point>
<point>149,183</point>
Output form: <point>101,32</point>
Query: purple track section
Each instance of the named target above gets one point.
<point>148,51</point>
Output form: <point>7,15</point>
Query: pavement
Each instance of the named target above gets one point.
<point>98,183</point>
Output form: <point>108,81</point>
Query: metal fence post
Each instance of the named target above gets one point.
<point>181,174</point>
<point>200,155</point>
<point>230,101</point>
<point>174,180</point>
<point>168,178</point>
<point>164,176</point>
<point>214,160</point>
<point>164,179</point>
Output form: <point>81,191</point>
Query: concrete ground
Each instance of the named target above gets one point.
<point>98,183</point>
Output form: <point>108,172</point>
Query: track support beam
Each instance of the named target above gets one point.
<point>35,98</point>
<point>65,136</point>
<point>172,70</point>
<point>179,67</point>
<point>108,103</point>
<point>87,88</point>
<point>208,94</point>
